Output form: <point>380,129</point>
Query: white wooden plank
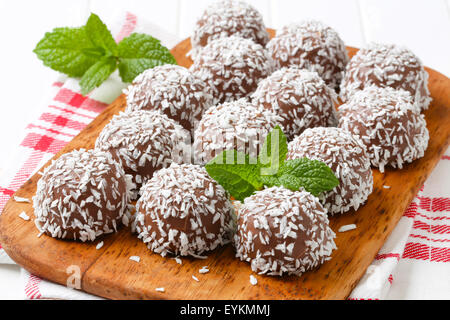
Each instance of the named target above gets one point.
<point>423,26</point>
<point>190,11</point>
<point>343,16</point>
<point>164,13</point>
<point>26,82</point>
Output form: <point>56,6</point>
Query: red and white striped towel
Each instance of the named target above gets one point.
<point>414,262</point>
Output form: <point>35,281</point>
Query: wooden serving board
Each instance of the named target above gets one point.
<point>109,273</point>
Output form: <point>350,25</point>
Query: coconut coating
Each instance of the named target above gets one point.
<point>388,123</point>
<point>387,65</point>
<point>144,141</point>
<point>300,97</point>
<point>226,18</point>
<point>346,156</point>
<point>283,232</point>
<point>174,91</point>
<point>311,45</point>
<point>237,125</point>
<point>182,211</point>
<point>232,67</point>
<point>81,196</point>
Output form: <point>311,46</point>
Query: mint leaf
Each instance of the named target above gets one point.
<point>273,152</point>
<point>100,36</point>
<point>67,50</point>
<point>236,172</point>
<point>140,52</point>
<point>97,73</point>
<point>313,175</point>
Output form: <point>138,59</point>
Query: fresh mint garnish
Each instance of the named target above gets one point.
<point>91,53</point>
<point>273,152</point>
<point>312,175</point>
<point>242,175</point>
<point>139,52</point>
<point>240,180</point>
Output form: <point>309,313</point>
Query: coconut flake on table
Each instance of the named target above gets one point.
<point>160,289</point>
<point>135,258</point>
<point>99,245</point>
<point>204,269</point>
<point>20,199</point>
<point>387,187</point>
<point>253,280</point>
<point>24,216</point>
<point>347,227</point>
<point>178,260</point>
<point>195,278</point>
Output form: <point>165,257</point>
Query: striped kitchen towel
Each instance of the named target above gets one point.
<point>414,262</point>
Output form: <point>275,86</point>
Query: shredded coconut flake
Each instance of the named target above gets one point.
<point>20,199</point>
<point>24,216</point>
<point>99,245</point>
<point>253,280</point>
<point>347,227</point>
<point>135,258</point>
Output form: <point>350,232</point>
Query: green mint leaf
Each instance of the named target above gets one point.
<point>100,36</point>
<point>66,50</point>
<point>236,172</point>
<point>313,175</point>
<point>97,73</point>
<point>273,152</point>
<point>140,52</point>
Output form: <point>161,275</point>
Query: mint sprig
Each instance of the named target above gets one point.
<point>242,175</point>
<point>90,52</point>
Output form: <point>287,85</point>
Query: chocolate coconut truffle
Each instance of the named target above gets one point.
<point>235,125</point>
<point>387,65</point>
<point>232,67</point>
<point>300,97</point>
<point>144,141</point>
<point>283,232</point>
<point>346,156</point>
<point>310,45</point>
<point>388,123</point>
<point>81,196</point>
<point>226,18</point>
<point>182,211</point>
<point>173,90</point>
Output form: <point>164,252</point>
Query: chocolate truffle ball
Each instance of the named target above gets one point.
<point>283,232</point>
<point>388,123</point>
<point>300,97</point>
<point>235,125</point>
<point>173,90</point>
<point>144,141</point>
<point>346,156</point>
<point>311,45</point>
<point>81,196</point>
<point>232,67</point>
<point>183,211</point>
<point>227,18</point>
<point>386,65</point>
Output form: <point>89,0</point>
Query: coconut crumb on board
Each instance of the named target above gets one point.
<point>253,280</point>
<point>178,260</point>
<point>347,227</point>
<point>160,289</point>
<point>387,187</point>
<point>20,199</point>
<point>195,278</point>
<point>24,216</point>
<point>99,245</point>
<point>135,258</point>
<point>204,269</point>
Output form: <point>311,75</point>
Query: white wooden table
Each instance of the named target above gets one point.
<point>421,25</point>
